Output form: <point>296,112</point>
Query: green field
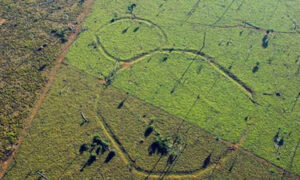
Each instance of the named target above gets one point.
<point>229,36</point>
<point>224,73</point>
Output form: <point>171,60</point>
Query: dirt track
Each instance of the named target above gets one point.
<point>88,4</point>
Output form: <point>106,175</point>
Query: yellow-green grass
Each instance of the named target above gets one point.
<point>52,145</point>
<point>130,122</point>
<point>54,139</point>
<point>202,95</point>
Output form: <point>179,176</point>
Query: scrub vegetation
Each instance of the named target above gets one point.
<point>31,36</point>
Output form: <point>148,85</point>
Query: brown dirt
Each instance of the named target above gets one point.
<point>51,76</point>
<point>2,21</point>
<point>102,82</point>
<point>126,64</point>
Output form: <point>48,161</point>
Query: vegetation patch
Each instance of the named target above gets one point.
<point>28,50</point>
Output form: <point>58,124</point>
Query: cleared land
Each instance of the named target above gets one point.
<point>173,90</point>
<point>232,74</point>
<point>53,145</point>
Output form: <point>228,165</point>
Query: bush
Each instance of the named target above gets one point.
<point>61,33</point>
<point>131,8</point>
<point>272,170</point>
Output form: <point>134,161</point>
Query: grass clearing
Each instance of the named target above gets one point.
<point>259,51</point>
<point>78,108</point>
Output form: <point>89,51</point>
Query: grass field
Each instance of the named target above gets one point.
<point>215,81</point>
<point>227,68</point>
<point>52,147</point>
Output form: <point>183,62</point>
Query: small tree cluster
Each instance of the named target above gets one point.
<point>160,146</point>
<point>97,147</point>
<point>99,144</point>
<point>60,33</point>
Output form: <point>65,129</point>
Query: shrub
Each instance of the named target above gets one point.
<point>131,8</point>
<point>272,170</point>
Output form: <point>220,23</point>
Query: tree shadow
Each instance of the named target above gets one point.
<point>110,156</point>
<point>149,130</point>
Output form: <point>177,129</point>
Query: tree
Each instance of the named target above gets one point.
<point>131,8</point>
<point>160,146</point>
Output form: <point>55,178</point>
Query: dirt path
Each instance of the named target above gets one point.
<point>88,4</point>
